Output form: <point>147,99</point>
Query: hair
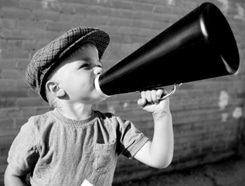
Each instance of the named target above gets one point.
<point>52,100</point>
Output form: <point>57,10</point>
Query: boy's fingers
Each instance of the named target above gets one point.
<point>141,102</point>
<point>142,94</point>
<point>154,96</point>
<point>160,93</point>
<point>148,96</point>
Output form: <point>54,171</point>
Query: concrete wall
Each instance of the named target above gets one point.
<point>207,114</point>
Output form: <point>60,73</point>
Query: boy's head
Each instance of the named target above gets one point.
<point>72,43</point>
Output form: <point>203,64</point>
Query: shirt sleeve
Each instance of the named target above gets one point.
<point>23,153</point>
<point>132,140</point>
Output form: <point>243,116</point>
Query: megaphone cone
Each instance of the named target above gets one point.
<point>201,45</point>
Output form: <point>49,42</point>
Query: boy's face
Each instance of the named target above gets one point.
<point>76,75</point>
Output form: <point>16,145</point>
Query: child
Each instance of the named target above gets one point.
<point>74,144</point>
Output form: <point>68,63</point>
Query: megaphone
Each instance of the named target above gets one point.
<point>199,46</point>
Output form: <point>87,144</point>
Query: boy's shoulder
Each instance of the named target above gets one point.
<point>41,117</point>
<point>40,121</point>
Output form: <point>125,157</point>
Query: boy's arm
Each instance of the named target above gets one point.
<point>11,179</point>
<point>157,153</point>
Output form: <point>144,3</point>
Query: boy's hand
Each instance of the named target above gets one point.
<point>151,101</point>
<point>158,152</point>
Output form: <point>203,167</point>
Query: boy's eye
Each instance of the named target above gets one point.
<point>84,65</point>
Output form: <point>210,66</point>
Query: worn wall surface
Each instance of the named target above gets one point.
<point>207,114</point>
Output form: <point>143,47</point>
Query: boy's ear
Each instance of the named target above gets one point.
<point>54,89</point>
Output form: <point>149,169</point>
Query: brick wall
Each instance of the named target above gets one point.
<point>207,114</point>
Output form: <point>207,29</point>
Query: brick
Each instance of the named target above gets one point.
<point>8,96</point>
<point>93,21</point>
<point>123,5</point>
<point>143,6</point>
<point>45,34</point>
<point>30,5</point>
<point>7,63</point>
<point>31,25</point>
<point>8,23</point>
<point>5,124</point>
<point>128,30</point>
<point>57,26</point>
<point>11,74</point>
<point>14,13</point>
<point>107,11</point>
<point>14,44</point>
<point>3,42</point>
<point>87,10</point>
<point>42,15</point>
<point>116,21</point>
<point>7,102</point>
<point>67,8</point>
<point>17,54</point>
<point>9,3</point>
<point>10,113</point>
<point>127,14</point>
<point>29,44</point>
<point>29,102</point>
<point>12,85</point>
<point>161,9</point>
<point>6,85</point>
<point>15,34</point>
<point>139,23</point>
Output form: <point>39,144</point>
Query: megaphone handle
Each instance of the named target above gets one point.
<point>170,93</point>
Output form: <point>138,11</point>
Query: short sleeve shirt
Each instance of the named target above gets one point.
<point>58,151</point>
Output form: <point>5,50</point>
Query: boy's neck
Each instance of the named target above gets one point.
<point>76,112</point>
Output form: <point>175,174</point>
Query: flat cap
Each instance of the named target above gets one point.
<point>45,59</point>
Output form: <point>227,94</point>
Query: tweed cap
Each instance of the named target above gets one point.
<point>45,59</point>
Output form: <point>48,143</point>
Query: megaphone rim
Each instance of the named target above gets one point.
<point>213,12</point>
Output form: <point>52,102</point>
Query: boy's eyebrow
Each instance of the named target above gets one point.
<point>85,60</point>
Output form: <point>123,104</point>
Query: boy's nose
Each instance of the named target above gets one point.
<point>97,70</point>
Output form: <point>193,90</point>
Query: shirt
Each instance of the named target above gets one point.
<point>58,151</point>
